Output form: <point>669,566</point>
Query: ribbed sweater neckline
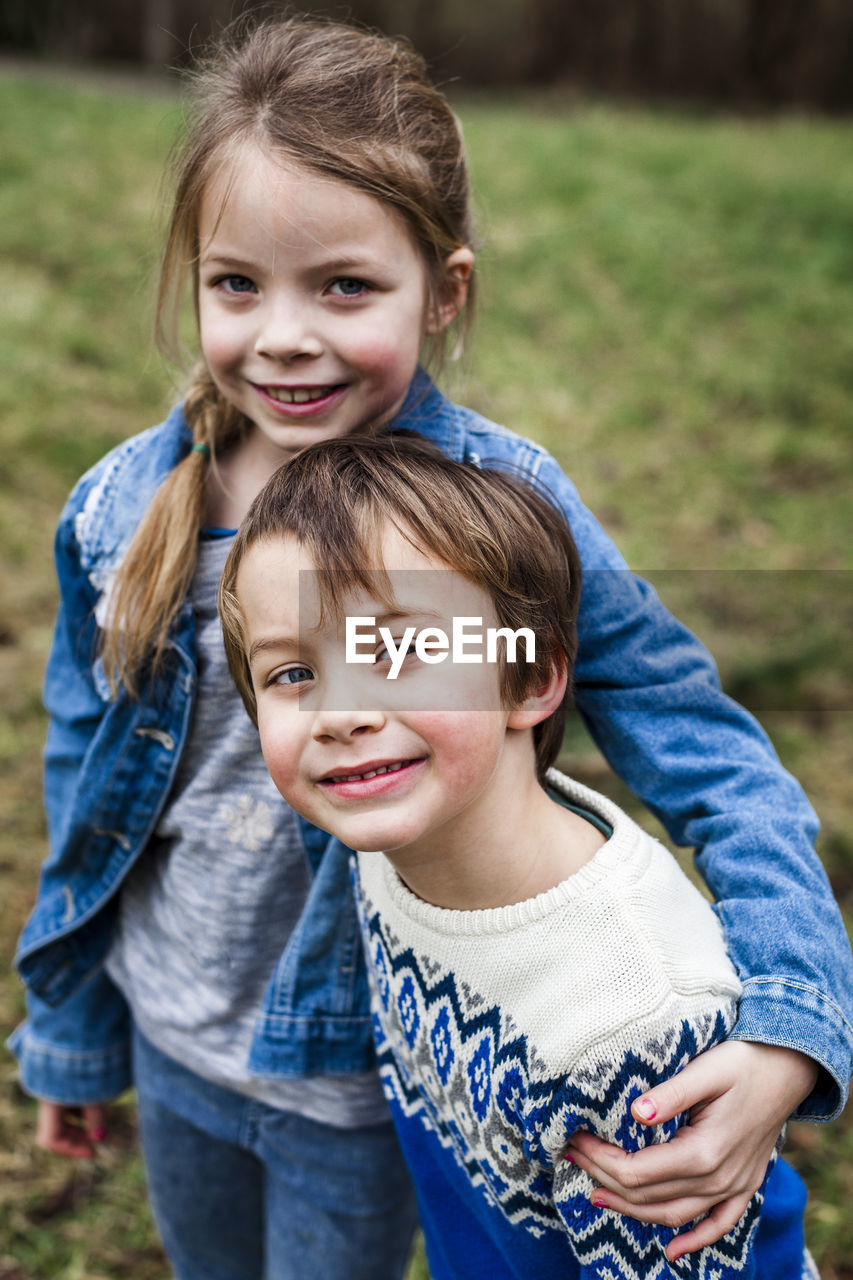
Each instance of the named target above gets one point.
<point>617,853</point>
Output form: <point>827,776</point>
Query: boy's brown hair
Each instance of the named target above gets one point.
<point>487,525</point>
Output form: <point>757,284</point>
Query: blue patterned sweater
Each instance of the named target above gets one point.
<point>502,1031</point>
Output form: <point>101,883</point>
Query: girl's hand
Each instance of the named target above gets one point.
<point>71,1131</point>
<point>739,1095</point>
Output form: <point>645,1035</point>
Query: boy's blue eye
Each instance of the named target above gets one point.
<point>293,675</point>
<point>383,656</point>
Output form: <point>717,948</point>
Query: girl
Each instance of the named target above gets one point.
<point>322,214</point>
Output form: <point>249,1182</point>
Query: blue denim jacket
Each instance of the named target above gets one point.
<point>645,687</point>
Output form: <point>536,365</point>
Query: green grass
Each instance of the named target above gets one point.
<point>665,303</point>
<point>668,305</point>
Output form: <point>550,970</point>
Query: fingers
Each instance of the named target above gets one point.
<point>699,1082</point>
<point>48,1124</point>
<point>658,1172</point>
<point>66,1131</point>
<point>95,1121</point>
<point>719,1222</point>
<point>691,1169</point>
<point>69,1141</point>
<point>676,1213</point>
<point>670,1213</point>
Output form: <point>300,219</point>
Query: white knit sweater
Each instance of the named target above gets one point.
<point>501,1031</point>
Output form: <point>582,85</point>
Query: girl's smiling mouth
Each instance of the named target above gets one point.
<point>300,400</point>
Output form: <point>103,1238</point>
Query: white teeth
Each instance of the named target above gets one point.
<point>298,395</point>
<point>374,773</point>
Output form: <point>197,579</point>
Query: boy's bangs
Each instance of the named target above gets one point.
<point>351,561</point>
<point>336,587</point>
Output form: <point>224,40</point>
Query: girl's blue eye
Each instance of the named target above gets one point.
<point>293,675</point>
<point>348,287</point>
<point>236,284</point>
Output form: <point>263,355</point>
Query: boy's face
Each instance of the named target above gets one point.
<point>390,764</point>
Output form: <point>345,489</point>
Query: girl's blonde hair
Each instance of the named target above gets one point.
<point>489,526</point>
<point>347,103</point>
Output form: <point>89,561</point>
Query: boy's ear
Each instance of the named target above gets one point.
<point>542,702</point>
<point>458,268</point>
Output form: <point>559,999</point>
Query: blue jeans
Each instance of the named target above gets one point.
<point>242,1191</point>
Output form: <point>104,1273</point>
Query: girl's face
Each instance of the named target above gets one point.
<point>313,302</point>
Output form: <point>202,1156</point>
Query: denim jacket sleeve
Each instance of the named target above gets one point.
<point>78,1051</point>
<point>650,695</point>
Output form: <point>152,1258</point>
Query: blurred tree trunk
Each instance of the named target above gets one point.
<point>756,52</point>
<point>157,46</point>
<point>768,51</point>
<point>94,29</point>
<point>173,29</point>
<point>800,51</point>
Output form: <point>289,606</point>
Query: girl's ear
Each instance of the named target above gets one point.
<point>457,275</point>
<point>542,702</point>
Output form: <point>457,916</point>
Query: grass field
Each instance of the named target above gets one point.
<point>666,303</point>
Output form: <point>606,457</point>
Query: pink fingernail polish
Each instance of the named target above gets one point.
<point>568,1157</point>
<point>600,1203</point>
<point>646,1108</point>
<point>98,1135</point>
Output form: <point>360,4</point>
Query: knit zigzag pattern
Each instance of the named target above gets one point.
<point>459,1066</point>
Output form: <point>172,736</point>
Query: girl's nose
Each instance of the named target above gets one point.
<point>287,332</point>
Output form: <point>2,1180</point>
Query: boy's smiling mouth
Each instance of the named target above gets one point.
<point>373,780</point>
<point>368,771</point>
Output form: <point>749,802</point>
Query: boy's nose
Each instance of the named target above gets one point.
<point>344,725</point>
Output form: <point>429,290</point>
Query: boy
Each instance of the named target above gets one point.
<point>537,961</point>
